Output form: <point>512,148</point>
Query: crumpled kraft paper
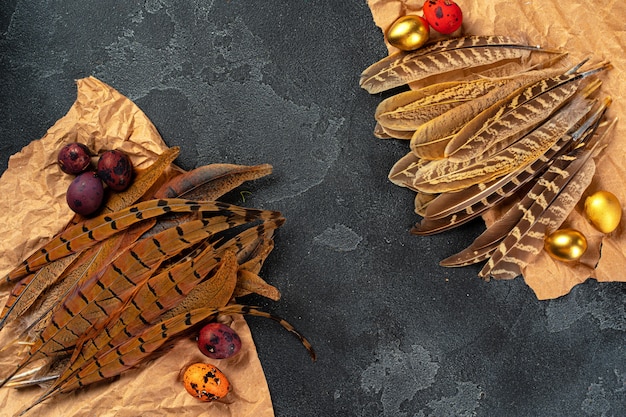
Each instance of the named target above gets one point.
<point>583,28</point>
<point>102,118</point>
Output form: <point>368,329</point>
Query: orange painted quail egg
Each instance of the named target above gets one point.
<point>205,382</point>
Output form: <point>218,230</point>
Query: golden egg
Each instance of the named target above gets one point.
<point>566,245</point>
<point>408,32</point>
<point>603,210</point>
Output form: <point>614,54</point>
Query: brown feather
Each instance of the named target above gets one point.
<point>440,57</point>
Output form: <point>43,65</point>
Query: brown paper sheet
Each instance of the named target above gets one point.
<point>102,118</point>
<point>583,28</point>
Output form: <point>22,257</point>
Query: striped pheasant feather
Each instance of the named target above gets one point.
<point>93,302</point>
<point>449,210</point>
<point>164,295</point>
<point>536,200</point>
<point>440,57</point>
<point>69,270</point>
<point>515,222</point>
<point>429,226</point>
<point>89,305</point>
<point>544,212</point>
<point>171,288</point>
<point>159,294</point>
<point>409,110</point>
<point>29,288</point>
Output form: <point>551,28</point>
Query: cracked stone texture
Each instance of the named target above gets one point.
<point>277,82</point>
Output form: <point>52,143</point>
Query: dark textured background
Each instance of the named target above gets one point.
<point>260,81</point>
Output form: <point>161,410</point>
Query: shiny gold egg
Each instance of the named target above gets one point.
<point>408,32</point>
<point>603,210</point>
<point>565,244</point>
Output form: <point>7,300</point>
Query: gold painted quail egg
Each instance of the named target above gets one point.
<point>565,245</point>
<point>408,32</point>
<point>603,210</point>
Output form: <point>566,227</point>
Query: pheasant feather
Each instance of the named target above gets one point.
<point>409,110</point>
<point>538,198</point>
<point>151,300</point>
<point>89,305</point>
<point>521,153</point>
<point>524,242</point>
<point>440,57</point>
<point>516,221</point>
<point>25,293</point>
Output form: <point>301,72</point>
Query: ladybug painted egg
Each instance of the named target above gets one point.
<point>205,382</point>
<point>444,16</point>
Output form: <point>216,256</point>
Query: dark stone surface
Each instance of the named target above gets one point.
<point>277,82</point>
